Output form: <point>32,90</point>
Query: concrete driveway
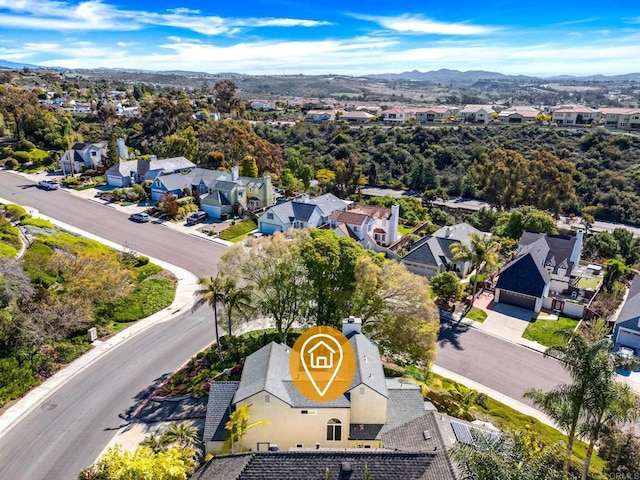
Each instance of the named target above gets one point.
<point>506,321</point>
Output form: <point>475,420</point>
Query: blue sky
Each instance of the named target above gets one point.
<point>326,36</point>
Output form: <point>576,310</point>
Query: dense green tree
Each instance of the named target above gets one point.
<point>530,219</point>
<point>226,100</point>
<point>629,247</point>
<point>601,245</point>
<point>621,450</point>
<point>249,167</point>
<point>182,144</point>
<point>446,286</point>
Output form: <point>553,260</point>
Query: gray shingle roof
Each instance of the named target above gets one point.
<point>171,164</point>
<point>328,203</point>
<point>631,308</point>
<point>176,181</point>
<point>546,248</point>
<point>268,370</point>
<point>313,465</point>
<point>218,409</point>
<point>124,169</point>
<point>524,275</point>
<point>368,365</point>
<point>302,211</point>
<point>435,249</point>
<point>404,405</point>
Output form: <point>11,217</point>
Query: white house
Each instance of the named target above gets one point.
<point>355,116</point>
<point>83,156</point>
<point>319,116</point>
<point>264,105</point>
<point>518,114</point>
<point>435,114</point>
<point>371,226</point>
<point>303,212</point>
<point>476,113</point>
<point>394,115</point>
<point>624,118</point>
<point>575,115</point>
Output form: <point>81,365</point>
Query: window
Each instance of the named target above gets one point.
<point>267,399</point>
<point>299,445</point>
<point>269,216</point>
<point>307,412</point>
<point>334,430</point>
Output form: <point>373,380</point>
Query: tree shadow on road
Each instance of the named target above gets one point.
<point>144,396</point>
<point>450,331</point>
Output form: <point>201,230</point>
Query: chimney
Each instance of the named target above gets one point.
<point>234,173</point>
<point>152,158</point>
<point>123,153</point>
<point>577,248</point>
<point>448,232</point>
<point>393,224</point>
<point>303,199</point>
<point>345,471</point>
<point>351,325</point>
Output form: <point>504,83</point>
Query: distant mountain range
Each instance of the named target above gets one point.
<point>443,75</point>
<point>456,76</point>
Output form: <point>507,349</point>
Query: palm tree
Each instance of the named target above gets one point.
<point>482,253</point>
<point>565,404</point>
<point>238,425</point>
<point>609,406</point>
<point>211,294</point>
<point>183,434</point>
<point>235,298</point>
<point>157,443</point>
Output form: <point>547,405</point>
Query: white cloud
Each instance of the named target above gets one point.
<point>358,55</point>
<point>418,24</point>
<point>97,15</point>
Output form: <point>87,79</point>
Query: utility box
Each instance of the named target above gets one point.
<point>92,334</point>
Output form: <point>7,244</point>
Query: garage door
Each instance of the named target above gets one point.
<point>518,299</point>
<point>114,181</point>
<point>628,338</point>
<point>212,211</point>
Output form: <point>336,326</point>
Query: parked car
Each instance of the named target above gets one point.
<point>197,218</point>
<point>140,217</point>
<point>626,352</point>
<point>48,184</point>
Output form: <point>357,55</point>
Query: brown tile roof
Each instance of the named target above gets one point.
<point>350,217</point>
<point>371,210</point>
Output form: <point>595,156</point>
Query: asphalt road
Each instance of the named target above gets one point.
<point>195,254</point>
<point>503,366</point>
<point>69,430</point>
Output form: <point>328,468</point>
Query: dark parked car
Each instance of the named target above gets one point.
<point>139,217</point>
<point>197,218</point>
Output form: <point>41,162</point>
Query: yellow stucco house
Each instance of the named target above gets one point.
<point>358,419</point>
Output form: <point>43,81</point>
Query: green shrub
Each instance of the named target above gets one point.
<point>22,157</point>
<point>146,299</point>
<point>24,145</point>
<point>35,259</point>
<point>71,182</point>
<point>240,228</point>
<point>15,212</point>
<point>17,379</point>
<point>38,222</point>
<point>145,271</point>
<point>7,250</point>
<point>141,261</point>
<point>186,201</point>
<point>11,164</point>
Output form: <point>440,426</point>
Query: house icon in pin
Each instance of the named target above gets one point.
<point>321,357</point>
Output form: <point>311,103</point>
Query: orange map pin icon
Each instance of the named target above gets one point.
<point>322,364</point>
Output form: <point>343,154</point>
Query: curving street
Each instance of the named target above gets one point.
<point>68,430</point>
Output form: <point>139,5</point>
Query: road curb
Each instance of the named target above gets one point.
<point>186,284</point>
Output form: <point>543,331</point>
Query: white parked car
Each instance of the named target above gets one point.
<point>48,184</point>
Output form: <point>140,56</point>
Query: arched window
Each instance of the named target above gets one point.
<point>334,430</point>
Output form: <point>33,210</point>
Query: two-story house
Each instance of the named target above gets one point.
<point>575,115</point>
<point>623,118</point>
<point>476,113</point>
<point>371,226</point>
<point>304,212</point>
<point>434,114</point>
<point>395,115</point>
<point>319,116</point>
<point>518,115</point>
<point>371,407</point>
<point>83,156</point>
<point>543,267</point>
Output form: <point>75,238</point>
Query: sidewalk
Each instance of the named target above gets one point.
<point>183,301</point>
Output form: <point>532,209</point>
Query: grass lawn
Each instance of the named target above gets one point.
<point>544,331</point>
<point>404,230</point>
<point>477,315</point>
<point>240,229</point>
<point>591,282</point>
<point>507,418</point>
